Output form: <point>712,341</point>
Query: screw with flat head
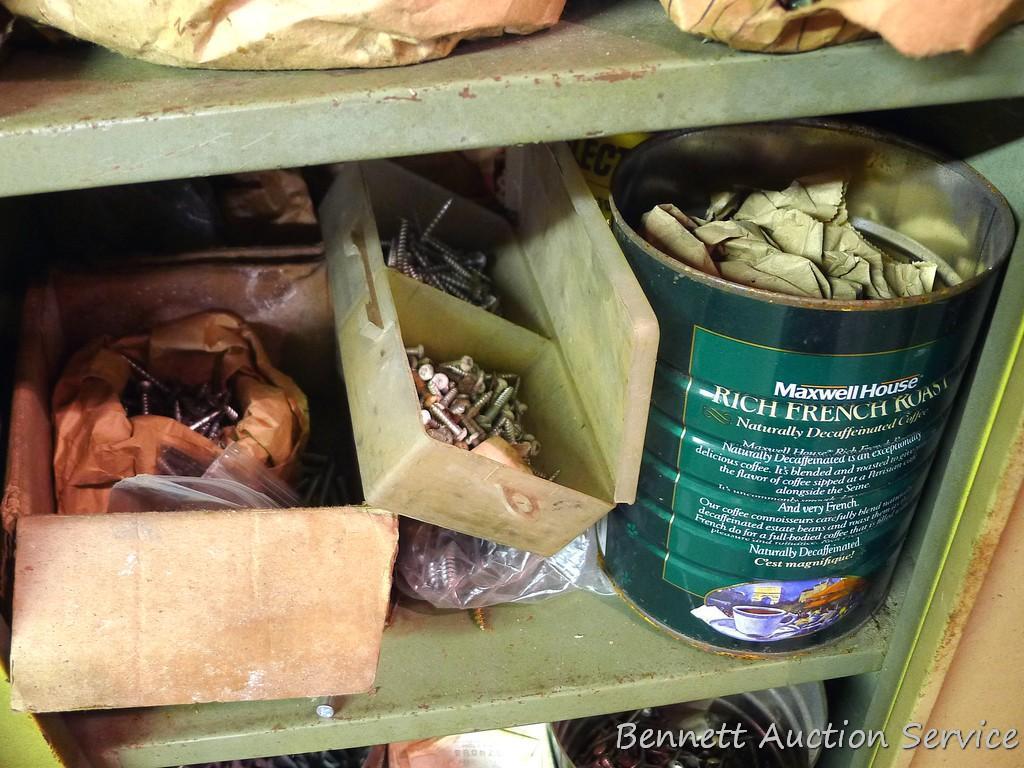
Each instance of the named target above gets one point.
<point>325,711</point>
<point>438,384</point>
<point>459,433</point>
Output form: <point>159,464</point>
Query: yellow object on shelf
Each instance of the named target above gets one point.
<point>598,158</point>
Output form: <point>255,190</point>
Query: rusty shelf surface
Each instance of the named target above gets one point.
<point>85,117</point>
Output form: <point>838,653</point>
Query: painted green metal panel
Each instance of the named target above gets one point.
<point>28,741</point>
<point>22,744</point>
<point>86,117</point>
<point>571,656</point>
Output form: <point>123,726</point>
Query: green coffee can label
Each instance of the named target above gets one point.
<point>791,468</point>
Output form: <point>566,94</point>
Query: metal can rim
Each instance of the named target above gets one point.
<point>1005,215</point>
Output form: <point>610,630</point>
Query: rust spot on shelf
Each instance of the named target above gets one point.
<point>467,94</point>
<point>618,75</point>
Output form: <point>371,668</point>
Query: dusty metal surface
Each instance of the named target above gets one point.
<point>569,657</point>
<point>86,117</point>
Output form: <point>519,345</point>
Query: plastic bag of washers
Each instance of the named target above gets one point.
<point>287,34</point>
<point>456,571</point>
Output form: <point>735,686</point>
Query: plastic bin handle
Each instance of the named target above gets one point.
<point>373,313</point>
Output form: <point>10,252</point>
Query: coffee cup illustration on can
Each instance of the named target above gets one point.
<point>760,621</point>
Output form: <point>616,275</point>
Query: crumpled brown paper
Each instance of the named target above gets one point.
<point>914,27</point>
<point>96,444</point>
<point>287,34</point>
<point>267,208</point>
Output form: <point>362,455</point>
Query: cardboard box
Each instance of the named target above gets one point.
<point>185,607</point>
<point>576,326</point>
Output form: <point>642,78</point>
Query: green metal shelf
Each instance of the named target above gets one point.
<point>86,117</point>
<point>571,656</point>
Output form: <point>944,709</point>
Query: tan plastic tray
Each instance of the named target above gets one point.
<point>576,326</point>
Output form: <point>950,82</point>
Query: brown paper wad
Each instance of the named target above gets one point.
<point>287,34</point>
<point>914,27</point>
<point>97,444</point>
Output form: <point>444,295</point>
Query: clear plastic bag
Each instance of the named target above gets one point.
<point>453,570</point>
<point>237,465</point>
<point>234,480</point>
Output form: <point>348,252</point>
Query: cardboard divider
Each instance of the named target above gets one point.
<point>378,312</point>
<point>185,607</point>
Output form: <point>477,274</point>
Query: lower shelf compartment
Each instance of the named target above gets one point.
<point>575,655</point>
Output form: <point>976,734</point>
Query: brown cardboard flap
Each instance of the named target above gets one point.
<point>184,607</point>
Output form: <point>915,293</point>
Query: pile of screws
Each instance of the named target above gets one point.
<point>424,257</point>
<point>206,409</point>
<point>446,573</point>
<point>322,483</point>
<point>463,405</point>
<point>338,758</point>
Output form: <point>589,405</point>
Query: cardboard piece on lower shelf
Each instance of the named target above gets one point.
<point>184,607</point>
<point>524,746</point>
